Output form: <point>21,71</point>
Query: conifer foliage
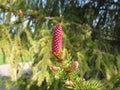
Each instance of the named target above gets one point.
<point>78,55</point>
<point>68,68</point>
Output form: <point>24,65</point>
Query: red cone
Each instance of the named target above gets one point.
<point>57,40</point>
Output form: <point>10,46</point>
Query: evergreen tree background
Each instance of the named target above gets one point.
<point>91,36</point>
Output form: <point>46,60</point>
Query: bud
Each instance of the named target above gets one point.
<point>57,40</point>
<point>83,80</point>
<point>54,68</point>
<point>74,65</point>
<point>97,89</point>
<point>20,12</point>
<point>56,77</point>
<point>68,83</point>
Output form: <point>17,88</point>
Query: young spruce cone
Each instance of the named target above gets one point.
<point>57,40</point>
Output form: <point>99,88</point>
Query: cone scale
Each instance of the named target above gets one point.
<point>57,40</point>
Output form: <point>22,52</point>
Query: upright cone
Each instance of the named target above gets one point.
<point>57,40</point>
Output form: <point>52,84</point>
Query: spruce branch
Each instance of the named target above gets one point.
<point>57,52</point>
<point>68,67</point>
